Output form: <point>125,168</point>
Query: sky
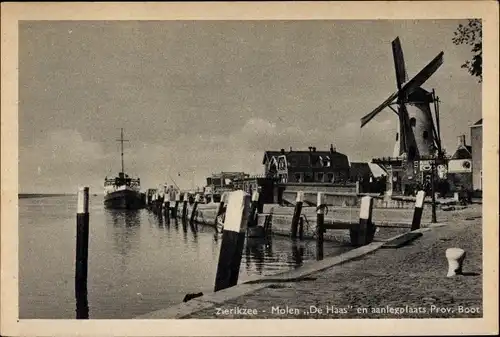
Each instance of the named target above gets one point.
<point>199,97</point>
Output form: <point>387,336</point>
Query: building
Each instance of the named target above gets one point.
<point>264,185</point>
<point>360,172</point>
<point>476,141</point>
<point>460,167</point>
<point>306,166</point>
<point>219,183</point>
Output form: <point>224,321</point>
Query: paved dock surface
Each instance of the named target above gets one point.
<point>408,282</point>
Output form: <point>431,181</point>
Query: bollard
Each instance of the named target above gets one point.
<point>184,206</point>
<point>82,245</point>
<point>193,211</point>
<point>455,257</point>
<point>252,217</point>
<point>417,213</point>
<point>296,214</point>
<point>176,206</point>
<point>363,234</point>
<point>320,219</point>
<point>233,239</point>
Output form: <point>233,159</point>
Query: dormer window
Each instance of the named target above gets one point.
<point>326,161</point>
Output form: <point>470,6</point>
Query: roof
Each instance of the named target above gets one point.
<point>479,122</point>
<point>308,158</point>
<point>360,169</point>
<point>463,152</point>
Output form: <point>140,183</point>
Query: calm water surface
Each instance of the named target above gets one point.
<point>137,262</point>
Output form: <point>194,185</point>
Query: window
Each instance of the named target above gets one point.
<point>425,134</point>
<point>330,178</point>
<point>397,136</point>
<point>326,162</point>
<point>413,121</point>
<point>308,177</point>
<point>319,177</point>
<point>298,177</point>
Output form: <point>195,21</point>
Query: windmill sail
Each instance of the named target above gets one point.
<point>401,78</point>
<point>408,87</point>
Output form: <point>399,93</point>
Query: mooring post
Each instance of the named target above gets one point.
<point>296,213</point>
<point>166,207</point>
<point>252,217</point>
<point>184,206</point>
<point>455,257</point>
<point>233,239</point>
<point>176,205</point>
<point>366,228</point>
<point>193,211</point>
<point>320,220</point>
<point>82,245</point>
<point>301,228</point>
<point>417,214</point>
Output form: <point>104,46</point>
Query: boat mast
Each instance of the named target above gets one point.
<point>121,140</point>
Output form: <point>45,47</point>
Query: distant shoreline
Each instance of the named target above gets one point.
<point>41,195</point>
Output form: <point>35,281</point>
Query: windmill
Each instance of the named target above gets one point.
<point>418,137</point>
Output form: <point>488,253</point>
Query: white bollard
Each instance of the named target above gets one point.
<point>455,257</point>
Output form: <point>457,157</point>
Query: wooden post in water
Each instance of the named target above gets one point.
<point>184,206</point>
<point>296,213</point>
<point>233,239</point>
<point>166,206</point>
<point>252,217</point>
<point>193,211</point>
<point>176,205</point>
<point>366,228</point>
<point>82,245</point>
<point>417,213</point>
<point>320,220</point>
<point>301,228</point>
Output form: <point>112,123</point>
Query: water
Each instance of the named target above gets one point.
<point>137,263</point>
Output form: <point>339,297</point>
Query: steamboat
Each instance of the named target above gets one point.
<point>123,191</point>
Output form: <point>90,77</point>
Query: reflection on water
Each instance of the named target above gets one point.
<point>138,261</point>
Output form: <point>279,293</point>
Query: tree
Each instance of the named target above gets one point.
<point>472,35</point>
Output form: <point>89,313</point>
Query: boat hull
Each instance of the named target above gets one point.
<point>124,199</point>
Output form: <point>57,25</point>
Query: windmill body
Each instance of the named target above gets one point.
<point>417,136</point>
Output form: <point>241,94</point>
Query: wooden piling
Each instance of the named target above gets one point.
<point>296,213</point>
<point>184,206</point>
<point>301,228</point>
<point>81,261</point>
<point>417,213</point>
<point>166,206</point>
<point>176,206</point>
<point>233,239</point>
<point>252,217</point>
<point>193,211</point>
<point>363,235</point>
<point>320,220</point>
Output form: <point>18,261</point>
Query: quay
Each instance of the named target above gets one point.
<point>367,282</point>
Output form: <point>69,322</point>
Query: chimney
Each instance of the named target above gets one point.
<point>310,148</point>
<point>314,149</point>
<point>461,140</point>
<point>282,151</point>
<point>290,149</point>
<point>332,149</point>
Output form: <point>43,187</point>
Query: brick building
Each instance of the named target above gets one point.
<point>460,167</point>
<point>306,166</point>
